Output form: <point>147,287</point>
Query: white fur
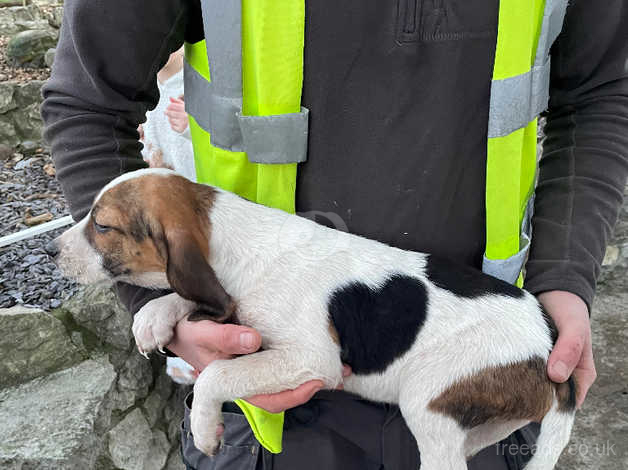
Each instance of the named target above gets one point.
<point>154,323</point>
<point>281,270</point>
<point>79,260</point>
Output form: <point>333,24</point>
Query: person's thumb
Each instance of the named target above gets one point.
<point>233,339</point>
<point>565,355</point>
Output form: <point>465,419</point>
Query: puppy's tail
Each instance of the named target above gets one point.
<point>555,428</point>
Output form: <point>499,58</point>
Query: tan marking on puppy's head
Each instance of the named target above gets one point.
<point>153,230</point>
<point>519,391</point>
<point>333,333</point>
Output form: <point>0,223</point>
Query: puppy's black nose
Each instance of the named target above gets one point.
<point>52,249</point>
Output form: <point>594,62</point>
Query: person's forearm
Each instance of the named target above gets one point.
<point>103,81</point>
<point>581,182</point>
<point>585,159</point>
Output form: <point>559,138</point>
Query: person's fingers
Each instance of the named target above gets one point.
<point>176,106</point>
<point>584,374</point>
<point>278,402</point>
<point>228,339</point>
<point>566,353</point>
<point>175,113</point>
<point>175,110</point>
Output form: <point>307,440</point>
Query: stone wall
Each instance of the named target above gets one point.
<point>30,33</point>
<point>20,119</point>
<point>77,394</point>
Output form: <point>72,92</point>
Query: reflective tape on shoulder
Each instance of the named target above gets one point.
<point>516,100</point>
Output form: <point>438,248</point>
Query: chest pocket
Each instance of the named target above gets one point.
<point>445,20</point>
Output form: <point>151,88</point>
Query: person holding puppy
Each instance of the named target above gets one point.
<point>414,112</point>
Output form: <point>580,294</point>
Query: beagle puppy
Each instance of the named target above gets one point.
<point>463,354</point>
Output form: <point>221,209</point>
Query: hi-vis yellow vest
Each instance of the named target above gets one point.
<point>249,130</point>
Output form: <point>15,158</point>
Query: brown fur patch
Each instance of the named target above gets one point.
<point>333,333</point>
<point>566,395</point>
<point>140,211</point>
<point>521,391</point>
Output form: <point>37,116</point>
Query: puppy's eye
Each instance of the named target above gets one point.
<point>101,228</point>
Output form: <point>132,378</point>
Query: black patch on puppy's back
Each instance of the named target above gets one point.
<point>466,281</point>
<point>377,325</point>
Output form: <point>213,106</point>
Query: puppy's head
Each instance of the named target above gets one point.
<point>149,228</point>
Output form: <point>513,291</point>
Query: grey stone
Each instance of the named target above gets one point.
<point>158,452</point>
<point>163,384</point>
<point>8,133</point>
<point>153,407</point>
<point>29,93</point>
<point>7,91</point>
<point>20,166</point>
<point>55,16</point>
<point>28,47</point>
<point>33,343</point>
<point>28,122</point>
<point>134,381</point>
<point>6,152</point>
<point>98,310</point>
<point>174,461</point>
<point>173,412</point>
<point>29,147</point>
<point>133,446</point>
<point>49,56</point>
<point>18,18</point>
<point>56,421</point>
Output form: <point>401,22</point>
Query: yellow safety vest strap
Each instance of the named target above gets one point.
<point>246,118</point>
<point>519,92</point>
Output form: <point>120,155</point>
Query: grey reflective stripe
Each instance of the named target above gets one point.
<point>275,139</point>
<point>217,105</point>
<point>509,269</point>
<point>516,101</point>
<point>553,18</point>
<point>196,95</point>
<point>223,39</point>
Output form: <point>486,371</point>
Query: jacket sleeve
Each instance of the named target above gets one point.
<point>583,170</point>
<point>103,82</point>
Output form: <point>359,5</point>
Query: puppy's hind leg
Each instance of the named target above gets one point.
<point>440,439</point>
<point>265,372</point>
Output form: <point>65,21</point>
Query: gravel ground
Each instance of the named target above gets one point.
<point>27,275</point>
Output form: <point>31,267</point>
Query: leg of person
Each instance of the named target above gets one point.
<point>334,431</point>
<point>512,453</point>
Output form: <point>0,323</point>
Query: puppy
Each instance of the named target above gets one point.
<point>463,354</point>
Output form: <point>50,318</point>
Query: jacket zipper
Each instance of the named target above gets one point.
<point>409,23</point>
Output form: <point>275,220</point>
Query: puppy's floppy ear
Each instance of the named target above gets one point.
<point>191,276</point>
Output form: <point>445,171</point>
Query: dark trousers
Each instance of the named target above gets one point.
<point>338,431</point>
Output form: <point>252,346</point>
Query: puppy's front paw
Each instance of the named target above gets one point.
<point>153,325</point>
<point>206,430</point>
<point>151,330</point>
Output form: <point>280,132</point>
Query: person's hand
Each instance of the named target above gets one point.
<point>140,131</point>
<point>199,343</point>
<point>177,117</point>
<point>573,353</point>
